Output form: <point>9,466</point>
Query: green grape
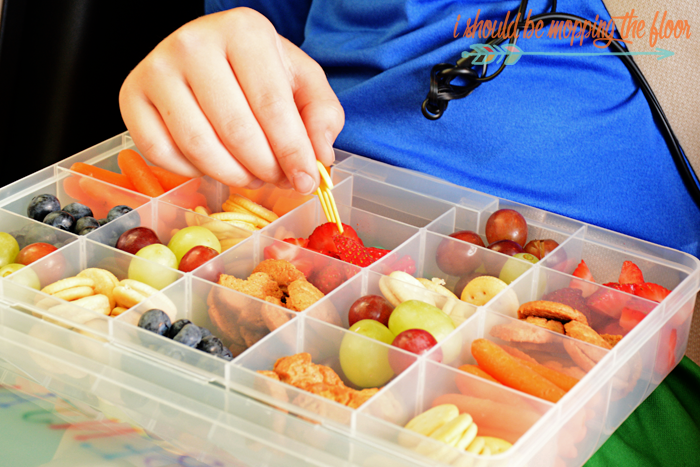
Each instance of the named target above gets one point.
<point>27,277</point>
<point>8,248</point>
<point>364,362</point>
<point>189,237</point>
<point>513,268</point>
<point>414,314</point>
<point>154,275</point>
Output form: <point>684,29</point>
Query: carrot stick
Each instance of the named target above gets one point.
<point>477,371</point>
<point>506,369</point>
<point>563,381</point>
<point>109,196</point>
<point>167,179</point>
<point>133,166</point>
<point>490,414</point>
<point>71,186</point>
<point>104,175</point>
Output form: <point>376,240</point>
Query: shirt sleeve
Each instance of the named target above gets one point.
<point>288,17</point>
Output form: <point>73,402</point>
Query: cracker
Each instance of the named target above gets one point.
<point>281,271</point>
<point>74,293</point>
<point>255,208</point>
<point>104,280</point>
<point>585,333</point>
<point>551,310</point>
<point>68,283</point>
<point>611,339</point>
<point>302,294</point>
<point>520,332</point>
<point>552,325</point>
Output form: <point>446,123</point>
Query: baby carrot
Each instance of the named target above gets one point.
<point>477,371</point>
<point>506,369</point>
<point>133,166</point>
<point>104,175</point>
<point>565,382</point>
<point>166,178</point>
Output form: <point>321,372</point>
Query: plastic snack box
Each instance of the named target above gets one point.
<point>228,413</point>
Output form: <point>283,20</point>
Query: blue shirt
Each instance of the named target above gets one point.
<point>570,134</point>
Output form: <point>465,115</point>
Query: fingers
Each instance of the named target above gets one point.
<point>320,110</point>
<point>263,74</point>
<point>227,97</point>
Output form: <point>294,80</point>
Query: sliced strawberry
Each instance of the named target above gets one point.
<point>304,264</point>
<point>627,288</point>
<point>328,278</point>
<point>280,251</point>
<point>322,237</point>
<point>377,253</point>
<point>582,272</point>
<point>302,242</point>
<point>630,274</point>
<point>405,264</point>
<point>607,301</point>
<point>666,356</point>
<point>352,252</point>
<point>629,318</point>
<point>652,292</point>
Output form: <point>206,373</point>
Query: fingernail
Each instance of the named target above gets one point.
<point>303,183</point>
<point>285,185</point>
<point>255,184</point>
<point>329,138</point>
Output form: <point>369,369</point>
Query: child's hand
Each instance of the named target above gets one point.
<point>226,96</point>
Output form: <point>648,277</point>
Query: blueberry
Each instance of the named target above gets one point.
<point>176,327</point>
<point>78,211</point>
<point>42,205</point>
<point>102,221</point>
<point>155,320</point>
<point>86,230</point>
<point>211,345</point>
<point>226,354</point>
<point>86,222</point>
<point>205,332</point>
<point>36,233</point>
<point>189,335</point>
<point>60,220</point>
<point>117,211</point>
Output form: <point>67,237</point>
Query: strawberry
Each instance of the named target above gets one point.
<point>583,272</point>
<point>573,298</point>
<point>651,291</point>
<point>405,264</point>
<point>377,253</point>
<point>322,237</point>
<point>302,242</point>
<point>607,301</point>
<point>630,274</point>
<point>287,252</point>
<point>328,278</point>
<point>629,318</point>
<point>666,356</point>
<point>352,252</point>
<point>627,288</point>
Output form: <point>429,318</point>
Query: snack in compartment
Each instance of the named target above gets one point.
<point>279,284</point>
<point>299,371</point>
<point>446,424</point>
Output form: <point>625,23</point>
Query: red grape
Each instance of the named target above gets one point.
<point>134,239</point>
<point>370,307</point>
<point>33,252</point>
<point>507,247</point>
<point>506,224</point>
<point>199,255</point>
<point>417,341</point>
<point>456,258</point>
<point>540,248</point>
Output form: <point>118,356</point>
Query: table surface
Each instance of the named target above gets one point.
<point>39,429</point>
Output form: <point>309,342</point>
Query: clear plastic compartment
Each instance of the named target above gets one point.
<point>208,405</point>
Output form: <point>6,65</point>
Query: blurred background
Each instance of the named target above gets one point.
<point>62,63</point>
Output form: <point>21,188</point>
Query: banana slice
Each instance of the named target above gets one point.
<point>432,419</point>
<point>437,285</point>
<point>451,432</point>
<point>400,287</point>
